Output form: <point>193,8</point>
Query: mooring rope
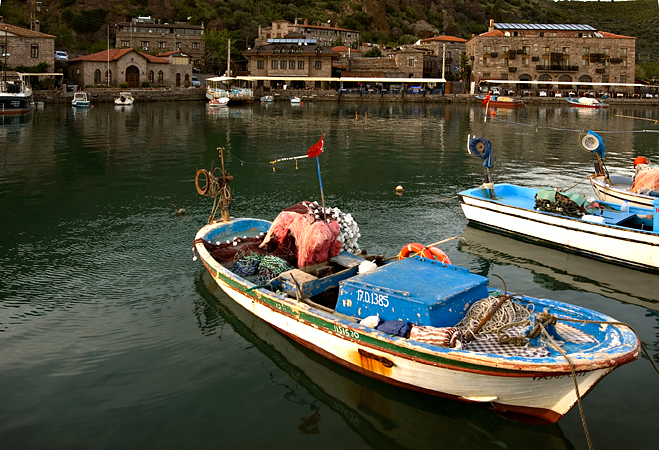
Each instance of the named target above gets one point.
<point>538,127</point>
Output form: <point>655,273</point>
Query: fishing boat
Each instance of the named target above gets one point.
<point>498,101</point>
<point>15,95</point>
<point>586,102</point>
<point>296,100</point>
<point>221,101</point>
<point>80,100</point>
<point>410,321</point>
<point>267,99</point>
<point>620,188</point>
<point>612,232</point>
<point>124,99</point>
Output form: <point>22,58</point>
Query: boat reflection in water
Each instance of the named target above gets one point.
<point>609,280</point>
<point>385,417</point>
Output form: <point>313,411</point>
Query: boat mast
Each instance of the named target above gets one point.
<point>229,59</point>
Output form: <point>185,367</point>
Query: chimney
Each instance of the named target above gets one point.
<point>36,26</point>
<point>296,21</point>
<point>491,28</point>
<point>306,22</point>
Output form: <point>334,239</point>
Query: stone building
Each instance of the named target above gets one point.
<point>150,37</point>
<point>324,34</point>
<point>444,48</point>
<point>292,57</point>
<point>554,53</point>
<point>113,66</point>
<point>23,47</point>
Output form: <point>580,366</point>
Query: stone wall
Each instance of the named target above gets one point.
<point>98,95</point>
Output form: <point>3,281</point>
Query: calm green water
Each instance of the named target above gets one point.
<point>112,337</point>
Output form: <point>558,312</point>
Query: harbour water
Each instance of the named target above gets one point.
<point>111,336</point>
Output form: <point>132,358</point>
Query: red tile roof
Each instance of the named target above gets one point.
<point>492,33</point>
<point>343,48</point>
<point>23,31</point>
<point>606,34</point>
<point>114,54</point>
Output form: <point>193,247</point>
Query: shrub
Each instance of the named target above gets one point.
<point>123,84</point>
<point>145,84</point>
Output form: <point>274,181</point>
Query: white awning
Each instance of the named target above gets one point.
<point>332,79</point>
<point>552,82</point>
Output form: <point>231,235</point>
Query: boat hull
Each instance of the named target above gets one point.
<point>537,388</point>
<point>576,103</point>
<point>631,247</point>
<point>619,190</point>
<point>12,104</point>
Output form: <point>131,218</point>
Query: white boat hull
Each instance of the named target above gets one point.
<point>619,190</point>
<point>633,247</point>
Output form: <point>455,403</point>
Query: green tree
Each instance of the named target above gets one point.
<point>465,67</point>
<point>217,42</point>
<point>373,53</point>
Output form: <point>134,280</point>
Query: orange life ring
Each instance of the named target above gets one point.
<point>426,252</point>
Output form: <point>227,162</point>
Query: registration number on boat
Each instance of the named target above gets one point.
<point>346,332</point>
<point>373,298</point>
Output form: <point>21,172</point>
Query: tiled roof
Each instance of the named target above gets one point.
<point>606,34</point>
<point>343,48</point>
<point>23,31</point>
<point>114,54</point>
<point>444,39</point>
<point>492,33</point>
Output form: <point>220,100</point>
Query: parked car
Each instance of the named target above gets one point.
<point>195,81</point>
<point>61,55</point>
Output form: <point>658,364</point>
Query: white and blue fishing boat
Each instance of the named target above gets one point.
<point>80,100</point>
<point>618,233</point>
<point>15,95</point>
<point>414,322</point>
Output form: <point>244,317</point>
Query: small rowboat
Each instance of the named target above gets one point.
<point>221,101</point>
<point>339,310</point>
<point>498,101</point>
<point>296,100</point>
<point>586,102</point>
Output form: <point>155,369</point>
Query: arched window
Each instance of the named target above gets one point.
<point>544,77</point>
<point>108,77</point>
<point>586,79</point>
<point>160,77</point>
<point>97,76</point>
<point>187,79</point>
<point>564,78</point>
<point>150,76</point>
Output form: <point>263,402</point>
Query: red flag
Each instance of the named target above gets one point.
<point>316,149</point>
<point>489,95</point>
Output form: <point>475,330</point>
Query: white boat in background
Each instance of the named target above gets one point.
<point>221,101</point>
<point>586,102</point>
<point>267,98</point>
<point>124,99</point>
<point>618,189</point>
<point>80,100</point>
<point>15,95</point>
<point>296,100</point>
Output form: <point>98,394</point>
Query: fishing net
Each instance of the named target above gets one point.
<point>270,267</point>
<point>507,313</point>
<point>247,265</point>
<point>647,179</point>
<point>566,204</point>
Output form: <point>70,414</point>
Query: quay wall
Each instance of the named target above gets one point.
<point>103,95</point>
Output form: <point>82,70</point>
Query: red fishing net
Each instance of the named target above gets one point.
<point>646,179</point>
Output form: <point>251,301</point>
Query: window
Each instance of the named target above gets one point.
<point>195,45</point>
<point>300,65</point>
<point>125,43</point>
<point>504,55</point>
<point>259,64</point>
<point>178,46</point>
<point>274,64</point>
<point>161,45</point>
<point>566,56</point>
<point>97,76</point>
<point>486,61</point>
<point>585,56</point>
<point>282,65</point>
<point>623,78</point>
<point>623,56</point>
<point>34,51</point>
<point>486,56</point>
<point>145,45</point>
<point>291,64</point>
<point>607,53</point>
<point>486,49</point>
<point>150,76</point>
<point>605,78</point>
<point>108,76</point>
<point>525,55</point>
<point>410,61</point>
<point>319,65</point>
<point>160,77</point>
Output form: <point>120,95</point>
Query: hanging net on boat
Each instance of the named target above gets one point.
<point>270,267</point>
<point>508,313</point>
<point>646,180</point>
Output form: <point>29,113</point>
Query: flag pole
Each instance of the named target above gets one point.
<point>322,196</point>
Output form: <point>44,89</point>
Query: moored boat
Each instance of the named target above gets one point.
<point>221,101</point>
<point>498,101</point>
<point>407,322</point>
<point>80,100</point>
<point>15,95</point>
<point>267,98</point>
<point>296,100</point>
<point>586,102</point>
<point>608,231</point>
<point>124,99</point>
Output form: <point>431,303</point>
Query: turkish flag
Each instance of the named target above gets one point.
<point>489,95</point>
<point>316,149</point>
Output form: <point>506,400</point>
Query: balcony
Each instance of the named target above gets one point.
<point>556,68</point>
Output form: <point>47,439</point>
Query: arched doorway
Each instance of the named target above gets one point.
<point>565,78</point>
<point>178,80</point>
<point>524,77</point>
<point>133,76</point>
<point>544,77</point>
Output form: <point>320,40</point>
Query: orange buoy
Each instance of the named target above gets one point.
<point>427,252</point>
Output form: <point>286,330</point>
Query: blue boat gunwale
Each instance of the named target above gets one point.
<point>479,362</point>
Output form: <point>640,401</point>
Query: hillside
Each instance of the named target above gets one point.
<point>84,25</point>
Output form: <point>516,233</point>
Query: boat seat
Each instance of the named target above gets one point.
<point>615,217</point>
